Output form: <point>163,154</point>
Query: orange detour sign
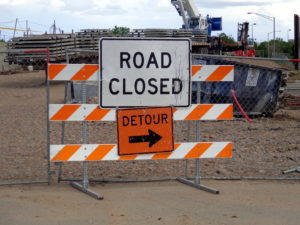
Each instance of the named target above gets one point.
<point>145,130</point>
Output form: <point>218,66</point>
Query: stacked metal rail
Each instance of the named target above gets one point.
<point>86,39</point>
<point>56,43</point>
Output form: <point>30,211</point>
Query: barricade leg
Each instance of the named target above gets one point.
<point>84,187</point>
<point>297,170</point>
<point>197,183</point>
<point>60,164</point>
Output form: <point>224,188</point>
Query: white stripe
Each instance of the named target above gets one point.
<point>214,150</point>
<point>83,152</point>
<point>53,109</point>
<point>229,76</point>
<point>214,112</point>
<point>144,156</point>
<point>110,116</point>
<point>182,113</point>
<point>68,72</point>
<point>54,150</point>
<point>182,150</point>
<point>95,76</point>
<point>82,112</point>
<point>204,72</point>
<point>112,154</point>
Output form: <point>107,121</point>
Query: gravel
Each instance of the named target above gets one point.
<point>262,149</point>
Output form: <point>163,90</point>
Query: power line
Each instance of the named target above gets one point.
<point>38,24</point>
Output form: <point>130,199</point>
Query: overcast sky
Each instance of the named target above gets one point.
<point>81,14</point>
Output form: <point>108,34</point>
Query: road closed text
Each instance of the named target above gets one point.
<point>144,73</point>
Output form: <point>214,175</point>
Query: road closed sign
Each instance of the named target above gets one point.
<point>145,130</point>
<point>144,72</point>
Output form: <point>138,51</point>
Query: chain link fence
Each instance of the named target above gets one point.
<point>262,149</point>
<point>23,120</point>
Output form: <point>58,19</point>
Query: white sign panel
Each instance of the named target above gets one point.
<point>252,77</point>
<point>144,72</point>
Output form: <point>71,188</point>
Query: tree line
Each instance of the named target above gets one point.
<point>265,47</point>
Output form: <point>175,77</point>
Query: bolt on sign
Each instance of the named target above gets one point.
<point>144,72</point>
<point>145,130</point>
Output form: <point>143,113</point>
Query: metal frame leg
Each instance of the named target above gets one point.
<point>85,180</point>
<point>199,186</point>
<point>297,170</point>
<point>196,183</point>
<point>91,193</point>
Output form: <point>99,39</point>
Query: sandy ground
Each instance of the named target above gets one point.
<point>239,202</point>
<point>262,149</point>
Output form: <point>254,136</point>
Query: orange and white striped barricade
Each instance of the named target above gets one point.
<point>91,112</point>
<point>89,72</point>
<point>106,152</point>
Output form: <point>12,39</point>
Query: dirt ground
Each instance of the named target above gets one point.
<point>239,202</point>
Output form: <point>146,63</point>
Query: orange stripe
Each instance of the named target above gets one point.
<point>85,72</point>
<point>195,69</point>
<point>198,112</point>
<point>198,150</point>
<point>65,153</point>
<point>65,112</point>
<point>227,114</point>
<point>127,157</point>
<point>219,73</point>
<point>54,70</point>
<point>164,155</point>
<point>97,114</point>
<point>226,152</point>
<point>100,152</point>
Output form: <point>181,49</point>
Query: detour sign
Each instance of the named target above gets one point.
<point>145,130</point>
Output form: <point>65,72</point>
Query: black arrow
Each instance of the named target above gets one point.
<point>152,138</point>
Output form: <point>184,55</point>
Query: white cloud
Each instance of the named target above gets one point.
<point>79,14</point>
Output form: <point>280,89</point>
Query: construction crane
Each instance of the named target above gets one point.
<point>192,19</point>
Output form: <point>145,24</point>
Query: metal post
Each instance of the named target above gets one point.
<point>63,123</point>
<point>197,175</point>
<point>274,36</point>
<point>15,27</point>
<point>188,140</point>
<point>196,183</point>
<point>268,46</point>
<point>48,126</point>
<point>85,180</point>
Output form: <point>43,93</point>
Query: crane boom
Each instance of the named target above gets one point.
<point>188,11</point>
<point>192,19</point>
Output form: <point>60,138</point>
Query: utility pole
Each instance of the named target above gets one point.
<point>15,27</point>
<point>27,29</point>
<point>271,18</point>
<point>252,31</point>
<point>54,28</point>
<point>287,35</point>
